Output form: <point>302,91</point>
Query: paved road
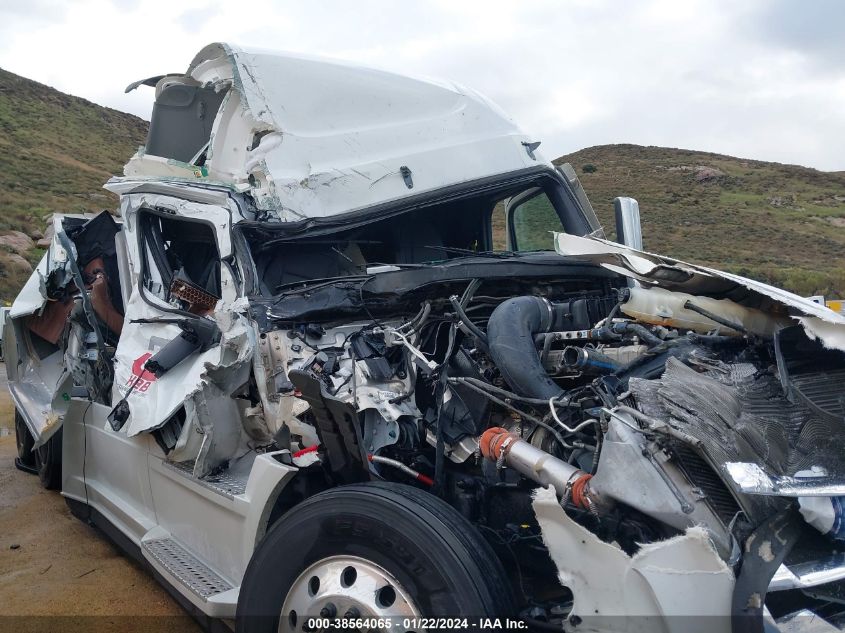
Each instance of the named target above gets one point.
<point>52,564</point>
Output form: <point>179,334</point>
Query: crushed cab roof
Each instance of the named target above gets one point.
<point>312,138</point>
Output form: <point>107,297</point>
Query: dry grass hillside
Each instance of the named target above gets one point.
<point>56,151</point>
<point>779,223</point>
<point>783,224</point>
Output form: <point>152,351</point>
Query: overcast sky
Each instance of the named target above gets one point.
<point>751,78</point>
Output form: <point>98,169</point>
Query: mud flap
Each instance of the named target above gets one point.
<point>764,552</point>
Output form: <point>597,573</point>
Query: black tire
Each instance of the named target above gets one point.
<point>48,461</point>
<point>434,553</point>
<point>24,441</point>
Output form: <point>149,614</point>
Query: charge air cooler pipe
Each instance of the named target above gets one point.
<point>588,361</point>
<point>570,483</point>
<point>510,337</point>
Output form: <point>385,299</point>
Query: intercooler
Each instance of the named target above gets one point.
<point>702,476</point>
<point>740,413</point>
<point>811,374</point>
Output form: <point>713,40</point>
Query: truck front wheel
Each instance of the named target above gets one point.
<point>48,462</point>
<point>26,458</point>
<point>370,551</point>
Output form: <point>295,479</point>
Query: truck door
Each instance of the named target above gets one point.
<point>183,284</point>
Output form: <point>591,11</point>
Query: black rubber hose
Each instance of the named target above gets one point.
<point>689,305</point>
<point>440,447</point>
<point>510,338</point>
<point>503,393</point>
<point>472,327</point>
<point>713,339</point>
<point>640,331</point>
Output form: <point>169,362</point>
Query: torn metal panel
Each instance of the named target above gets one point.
<point>202,193</point>
<point>154,400</point>
<point>38,390</point>
<point>670,274</point>
<point>33,295</point>
<point>316,138</point>
<point>219,217</point>
<point>654,486</point>
<point>220,426</point>
<point>682,576</point>
<point>830,333</point>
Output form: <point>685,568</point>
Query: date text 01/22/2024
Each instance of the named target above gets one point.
<point>418,624</point>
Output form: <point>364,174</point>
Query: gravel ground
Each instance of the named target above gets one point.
<point>59,574</point>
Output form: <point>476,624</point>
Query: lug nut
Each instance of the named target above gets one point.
<point>352,613</point>
<point>328,611</point>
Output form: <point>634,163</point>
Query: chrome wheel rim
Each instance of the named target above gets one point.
<point>345,587</point>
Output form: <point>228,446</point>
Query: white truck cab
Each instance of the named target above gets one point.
<point>350,349</point>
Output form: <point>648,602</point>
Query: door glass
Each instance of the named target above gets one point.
<point>533,220</point>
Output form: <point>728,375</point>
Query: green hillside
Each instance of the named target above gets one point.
<point>56,151</point>
<point>782,224</point>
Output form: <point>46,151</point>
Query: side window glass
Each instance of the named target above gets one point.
<point>532,222</point>
<point>181,263</point>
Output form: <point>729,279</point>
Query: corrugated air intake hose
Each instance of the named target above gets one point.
<point>510,336</point>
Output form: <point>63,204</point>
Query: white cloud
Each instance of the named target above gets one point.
<point>713,75</point>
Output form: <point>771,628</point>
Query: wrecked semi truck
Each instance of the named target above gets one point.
<point>298,376</point>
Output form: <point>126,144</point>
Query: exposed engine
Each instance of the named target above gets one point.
<point>627,403</point>
<point>651,414</point>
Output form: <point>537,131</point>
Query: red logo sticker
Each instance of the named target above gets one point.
<point>143,377</point>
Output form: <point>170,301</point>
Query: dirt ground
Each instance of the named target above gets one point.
<point>59,574</point>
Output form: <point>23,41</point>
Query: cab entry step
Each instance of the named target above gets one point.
<point>225,483</point>
<point>187,568</point>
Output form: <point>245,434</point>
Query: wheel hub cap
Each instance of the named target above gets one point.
<point>343,587</point>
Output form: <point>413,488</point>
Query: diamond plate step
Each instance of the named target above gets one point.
<point>186,567</point>
<point>222,483</point>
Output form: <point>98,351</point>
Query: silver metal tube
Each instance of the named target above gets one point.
<point>499,445</point>
<point>540,466</point>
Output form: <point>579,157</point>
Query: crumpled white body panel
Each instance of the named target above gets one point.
<point>682,576</point>
<point>31,297</point>
<point>818,321</point>
<point>336,135</point>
